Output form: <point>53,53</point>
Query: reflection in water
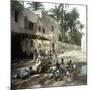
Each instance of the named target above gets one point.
<point>84,69</point>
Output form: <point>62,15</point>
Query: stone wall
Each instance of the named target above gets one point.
<point>67,47</point>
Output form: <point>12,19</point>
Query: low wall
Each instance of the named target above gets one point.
<point>67,47</point>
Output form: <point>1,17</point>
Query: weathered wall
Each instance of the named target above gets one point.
<point>47,22</point>
<point>21,20</point>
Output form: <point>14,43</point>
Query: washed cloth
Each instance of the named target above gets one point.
<point>24,72</point>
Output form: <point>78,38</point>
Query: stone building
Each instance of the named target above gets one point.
<point>30,32</point>
<point>49,28</point>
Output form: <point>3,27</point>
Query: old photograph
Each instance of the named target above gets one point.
<point>48,44</point>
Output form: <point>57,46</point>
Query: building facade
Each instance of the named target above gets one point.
<point>30,32</point>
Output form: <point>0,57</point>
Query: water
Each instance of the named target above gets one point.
<point>83,69</point>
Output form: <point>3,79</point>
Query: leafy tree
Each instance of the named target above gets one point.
<point>71,25</point>
<point>75,37</point>
<point>74,24</point>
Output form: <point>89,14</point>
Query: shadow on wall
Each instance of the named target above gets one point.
<point>16,48</point>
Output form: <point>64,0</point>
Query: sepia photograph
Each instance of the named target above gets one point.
<point>48,44</point>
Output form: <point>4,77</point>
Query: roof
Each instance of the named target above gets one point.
<point>16,6</point>
<point>31,16</point>
<point>50,19</point>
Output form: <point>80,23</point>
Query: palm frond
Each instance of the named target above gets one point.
<point>35,6</point>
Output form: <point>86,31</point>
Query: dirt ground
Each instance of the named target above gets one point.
<point>42,80</point>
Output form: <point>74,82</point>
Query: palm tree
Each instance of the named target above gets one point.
<point>35,6</point>
<point>57,12</point>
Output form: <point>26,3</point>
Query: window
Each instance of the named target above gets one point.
<point>43,30</point>
<point>31,43</point>
<point>52,28</point>
<point>28,25</point>
<point>39,29</point>
<point>16,16</point>
<point>59,38</point>
<point>53,47</point>
<point>39,45</point>
<point>31,25</point>
<point>25,23</point>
